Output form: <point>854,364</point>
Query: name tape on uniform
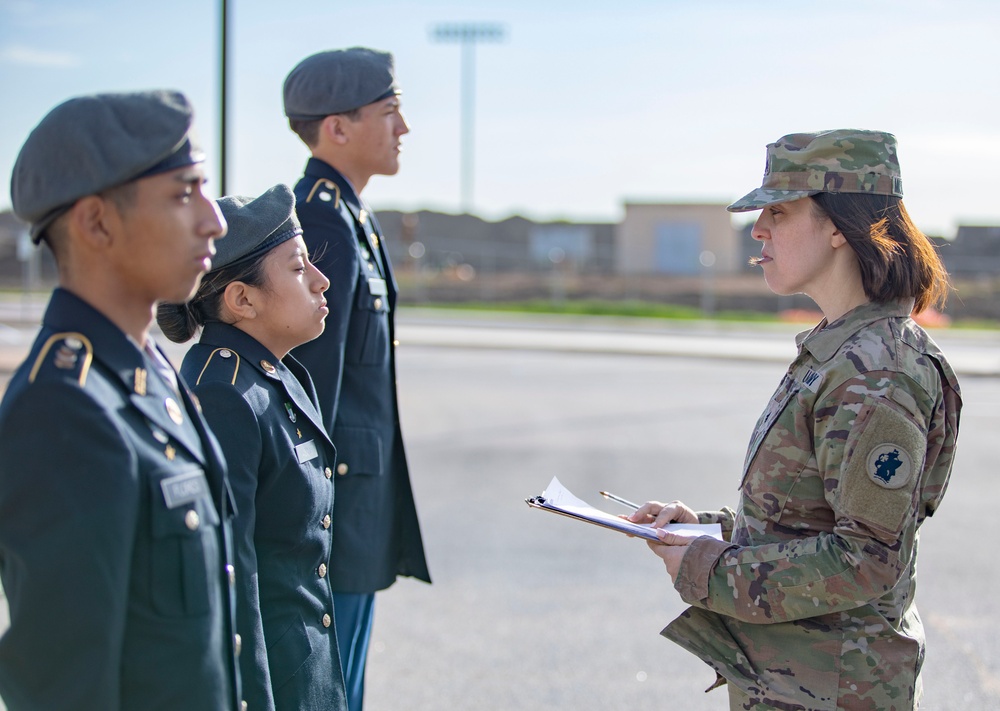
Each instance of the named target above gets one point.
<point>377,287</point>
<point>306,451</point>
<point>184,488</point>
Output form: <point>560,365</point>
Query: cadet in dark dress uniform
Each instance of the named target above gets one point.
<point>263,297</point>
<point>344,104</point>
<point>114,505</point>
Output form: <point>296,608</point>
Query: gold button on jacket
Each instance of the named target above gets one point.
<point>192,520</point>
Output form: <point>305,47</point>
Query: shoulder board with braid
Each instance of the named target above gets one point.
<point>319,191</point>
<point>222,364</point>
<point>66,355</point>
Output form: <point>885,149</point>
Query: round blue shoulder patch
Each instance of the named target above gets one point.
<point>889,466</point>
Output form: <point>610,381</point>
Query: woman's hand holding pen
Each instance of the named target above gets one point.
<point>661,514</point>
<point>671,547</point>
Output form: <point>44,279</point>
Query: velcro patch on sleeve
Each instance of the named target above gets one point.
<point>885,458</point>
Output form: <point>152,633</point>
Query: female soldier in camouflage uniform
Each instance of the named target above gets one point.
<point>809,602</point>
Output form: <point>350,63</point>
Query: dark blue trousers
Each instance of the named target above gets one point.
<point>353,613</point>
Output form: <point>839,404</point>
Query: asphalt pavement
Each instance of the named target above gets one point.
<point>970,351</point>
<point>530,611</point>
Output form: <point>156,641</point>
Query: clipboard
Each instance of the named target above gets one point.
<point>557,499</point>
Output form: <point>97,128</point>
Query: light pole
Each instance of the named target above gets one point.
<point>468,34</point>
<point>223,93</point>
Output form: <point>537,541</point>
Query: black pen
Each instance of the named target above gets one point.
<point>620,500</point>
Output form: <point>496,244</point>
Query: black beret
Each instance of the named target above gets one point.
<point>337,81</point>
<point>92,143</point>
<point>256,225</point>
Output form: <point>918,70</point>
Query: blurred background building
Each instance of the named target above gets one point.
<point>687,254</point>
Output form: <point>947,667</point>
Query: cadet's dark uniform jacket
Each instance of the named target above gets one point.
<point>111,549</point>
<point>376,532</point>
<point>265,415</point>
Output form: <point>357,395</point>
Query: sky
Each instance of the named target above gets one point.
<point>583,107</point>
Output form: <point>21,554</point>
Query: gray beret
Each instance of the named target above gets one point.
<point>92,143</point>
<point>337,81</point>
<point>256,225</point>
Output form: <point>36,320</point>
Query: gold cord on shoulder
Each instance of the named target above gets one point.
<point>328,185</point>
<point>211,355</point>
<point>84,344</point>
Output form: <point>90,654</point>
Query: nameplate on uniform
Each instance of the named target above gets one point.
<point>812,380</point>
<point>306,451</point>
<point>377,287</point>
<point>184,488</point>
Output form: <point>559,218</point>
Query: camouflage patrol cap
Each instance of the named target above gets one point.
<point>338,81</point>
<point>841,161</point>
<point>256,225</point>
<point>90,144</point>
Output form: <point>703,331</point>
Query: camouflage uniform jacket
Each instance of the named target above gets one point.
<point>810,603</point>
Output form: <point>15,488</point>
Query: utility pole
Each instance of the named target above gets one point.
<point>223,95</point>
<point>468,34</point>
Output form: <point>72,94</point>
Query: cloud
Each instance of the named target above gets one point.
<point>34,57</point>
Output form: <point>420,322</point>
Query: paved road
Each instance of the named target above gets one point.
<point>972,352</point>
<point>531,611</point>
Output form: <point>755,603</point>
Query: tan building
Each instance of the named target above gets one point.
<point>678,239</point>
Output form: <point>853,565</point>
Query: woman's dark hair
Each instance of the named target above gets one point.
<point>180,322</point>
<point>896,259</point>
